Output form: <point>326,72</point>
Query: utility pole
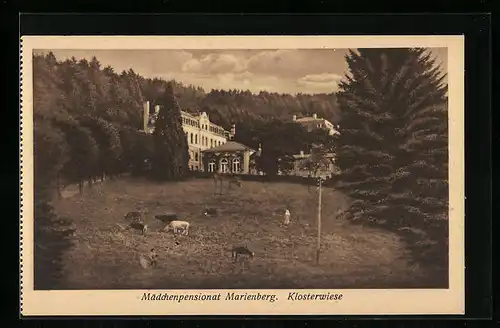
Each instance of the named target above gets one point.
<point>318,246</point>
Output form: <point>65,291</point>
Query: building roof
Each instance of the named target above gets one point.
<point>310,119</point>
<point>229,146</point>
<point>183,112</point>
<point>197,117</point>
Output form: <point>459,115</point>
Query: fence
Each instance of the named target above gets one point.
<point>271,178</point>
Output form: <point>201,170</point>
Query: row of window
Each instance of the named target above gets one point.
<point>224,165</point>
<point>193,139</point>
<point>191,122</point>
<point>207,127</point>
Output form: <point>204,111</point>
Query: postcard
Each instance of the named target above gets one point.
<point>242,175</point>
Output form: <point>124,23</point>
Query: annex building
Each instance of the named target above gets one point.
<point>314,122</point>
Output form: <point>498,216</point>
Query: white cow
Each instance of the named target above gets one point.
<point>176,225</point>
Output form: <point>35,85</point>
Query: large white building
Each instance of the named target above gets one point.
<point>200,132</point>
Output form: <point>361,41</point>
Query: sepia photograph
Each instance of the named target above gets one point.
<point>294,168</point>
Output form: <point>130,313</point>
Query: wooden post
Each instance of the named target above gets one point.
<point>318,246</point>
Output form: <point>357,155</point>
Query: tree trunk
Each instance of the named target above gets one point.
<point>80,186</point>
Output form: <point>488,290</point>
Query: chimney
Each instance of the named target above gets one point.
<point>294,118</point>
<point>146,116</point>
<point>233,130</point>
<point>315,116</point>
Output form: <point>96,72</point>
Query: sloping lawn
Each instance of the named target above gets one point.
<point>105,256</point>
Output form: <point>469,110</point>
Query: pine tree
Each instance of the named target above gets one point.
<point>171,150</point>
<point>392,148</point>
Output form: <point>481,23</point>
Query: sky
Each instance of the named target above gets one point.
<point>283,70</point>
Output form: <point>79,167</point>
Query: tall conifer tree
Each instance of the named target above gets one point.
<point>171,149</point>
<point>392,149</point>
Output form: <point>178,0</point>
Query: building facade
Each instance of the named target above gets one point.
<point>314,122</point>
<point>201,134</point>
<point>229,158</point>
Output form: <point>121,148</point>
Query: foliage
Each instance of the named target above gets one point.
<point>279,141</point>
<point>50,154</point>
<point>171,157</point>
<point>392,147</point>
<point>108,140</point>
<point>81,95</point>
<point>83,151</point>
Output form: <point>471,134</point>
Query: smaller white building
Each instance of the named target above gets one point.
<point>314,122</point>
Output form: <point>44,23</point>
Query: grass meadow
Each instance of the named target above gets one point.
<point>104,256</point>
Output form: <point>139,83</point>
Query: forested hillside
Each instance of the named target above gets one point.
<point>238,106</point>
<point>92,116</point>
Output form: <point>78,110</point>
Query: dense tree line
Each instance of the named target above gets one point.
<point>94,115</point>
<point>87,122</point>
<point>393,146</point>
<point>226,107</point>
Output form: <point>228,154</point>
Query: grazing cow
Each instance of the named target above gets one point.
<point>241,251</point>
<point>166,217</point>
<point>139,225</point>
<point>134,216</point>
<point>210,212</point>
<point>176,225</point>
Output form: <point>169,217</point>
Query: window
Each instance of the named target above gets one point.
<point>223,165</point>
<point>196,157</point>
<point>196,139</point>
<point>211,166</point>
<point>191,137</point>
<point>236,165</point>
<point>211,143</point>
